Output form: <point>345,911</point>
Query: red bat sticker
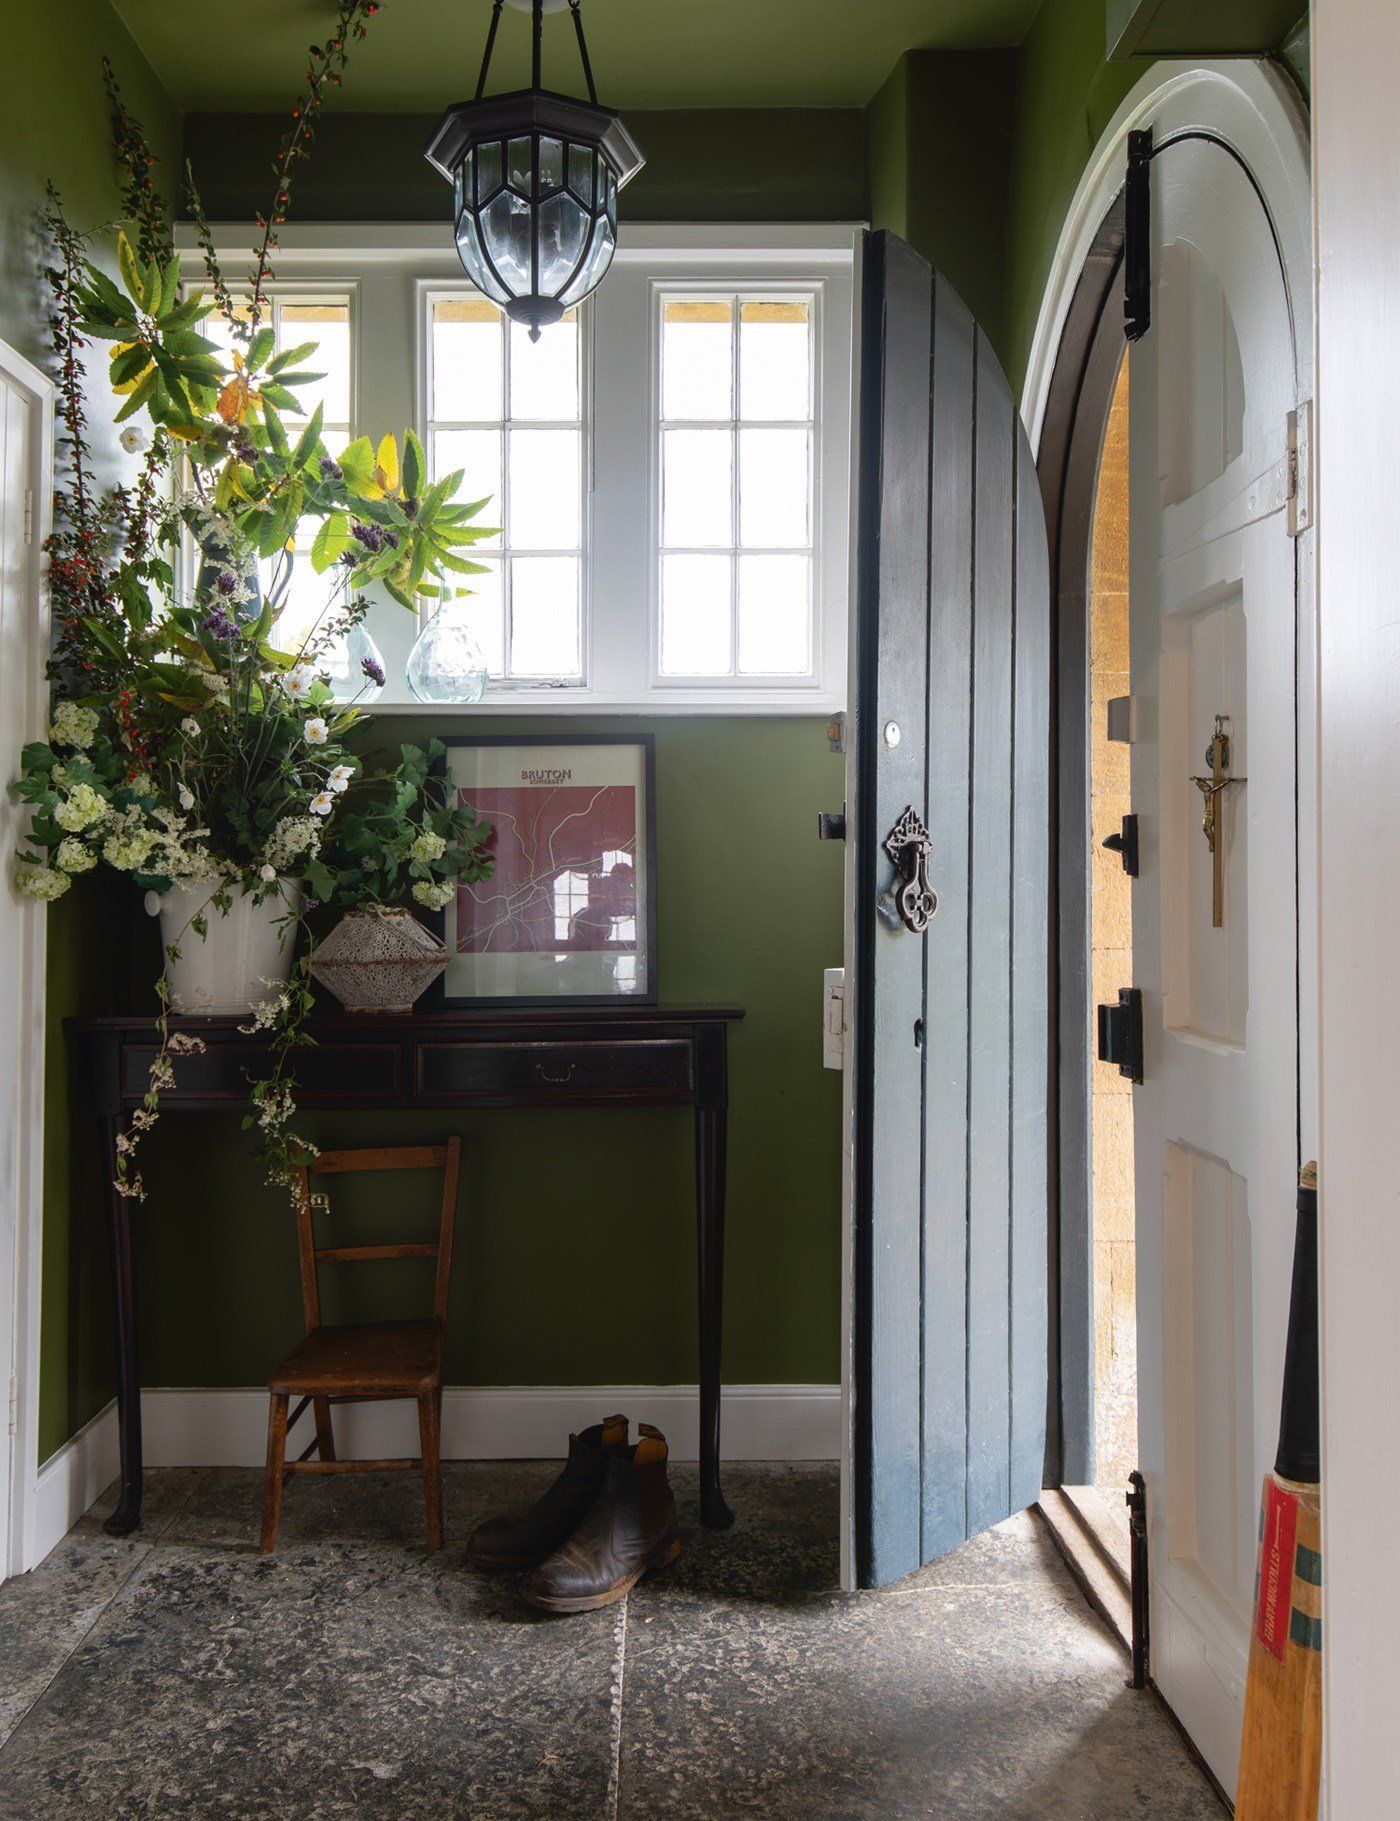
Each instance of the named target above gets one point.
<point>1280,1533</point>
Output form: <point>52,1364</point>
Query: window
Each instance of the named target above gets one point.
<point>668,468</point>
<point>736,433</point>
<point>509,413</point>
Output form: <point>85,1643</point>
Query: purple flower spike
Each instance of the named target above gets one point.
<point>330,470</point>
<point>226,581</point>
<point>220,626</point>
<point>373,669</point>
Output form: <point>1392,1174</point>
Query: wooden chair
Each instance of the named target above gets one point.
<point>365,1362</point>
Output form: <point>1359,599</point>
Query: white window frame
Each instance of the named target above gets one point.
<point>808,289</point>
<point>426,292</point>
<point>388,268</point>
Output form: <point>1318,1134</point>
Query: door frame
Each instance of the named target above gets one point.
<point>1090,352</point>
<point>24,715</point>
<point>1255,108</point>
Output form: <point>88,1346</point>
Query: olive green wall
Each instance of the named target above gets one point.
<point>703,164</point>
<point>56,129</point>
<point>939,151</point>
<point>582,1271</point>
<point>575,1262</point>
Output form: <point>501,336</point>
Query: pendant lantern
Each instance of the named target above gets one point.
<point>534,178</point>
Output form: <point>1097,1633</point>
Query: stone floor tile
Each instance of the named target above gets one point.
<point>960,1702</point>
<point>319,1683</point>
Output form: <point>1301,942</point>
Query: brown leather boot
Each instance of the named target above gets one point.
<point>631,1528</point>
<point>521,1539</point>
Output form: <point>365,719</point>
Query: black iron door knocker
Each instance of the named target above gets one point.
<point>914,899</point>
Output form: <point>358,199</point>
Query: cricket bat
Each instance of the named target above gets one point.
<point>1281,1751</point>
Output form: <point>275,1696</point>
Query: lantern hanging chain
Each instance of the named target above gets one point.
<point>575,9</point>
<point>490,46</point>
<point>537,35</point>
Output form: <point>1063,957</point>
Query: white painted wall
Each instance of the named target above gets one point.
<point>1356,90</point>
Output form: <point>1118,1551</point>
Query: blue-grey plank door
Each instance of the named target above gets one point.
<point>951,1160</point>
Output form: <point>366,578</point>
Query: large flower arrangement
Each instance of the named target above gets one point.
<point>189,745</point>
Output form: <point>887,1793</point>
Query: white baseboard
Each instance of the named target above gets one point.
<point>508,1422</point>
<point>67,1483</point>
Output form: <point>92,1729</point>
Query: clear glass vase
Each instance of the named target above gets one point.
<point>355,666</point>
<point>445,664</point>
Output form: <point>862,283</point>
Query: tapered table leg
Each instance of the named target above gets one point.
<point>710,1149</point>
<point>127,1515</point>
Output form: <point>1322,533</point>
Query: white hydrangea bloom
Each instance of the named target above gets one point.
<point>42,882</point>
<point>73,725</point>
<point>80,809</point>
<point>130,846</point>
<point>428,846</point>
<point>74,856</point>
<point>432,895</point>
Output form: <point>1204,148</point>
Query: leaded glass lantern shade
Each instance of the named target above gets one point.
<point>534,177</point>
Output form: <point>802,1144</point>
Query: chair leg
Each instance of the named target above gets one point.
<point>429,1441</point>
<point>325,1435</point>
<point>276,1460</point>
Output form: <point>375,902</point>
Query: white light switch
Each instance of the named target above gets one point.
<point>834,1018</point>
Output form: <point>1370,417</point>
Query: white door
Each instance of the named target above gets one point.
<point>23,641</point>
<point>1214,634</point>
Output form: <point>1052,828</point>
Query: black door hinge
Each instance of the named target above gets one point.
<point>1137,237</point>
<point>1125,845</point>
<point>1138,1564</point>
<point>1120,1033</point>
<point>831,824</point>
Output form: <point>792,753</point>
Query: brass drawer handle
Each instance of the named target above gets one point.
<point>555,1081</point>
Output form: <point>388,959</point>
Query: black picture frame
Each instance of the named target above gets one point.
<point>442,994</point>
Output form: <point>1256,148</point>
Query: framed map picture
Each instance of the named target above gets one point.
<point>569,912</point>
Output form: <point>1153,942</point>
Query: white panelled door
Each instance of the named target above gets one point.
<point>1214,634</point>
<point>23,646</point>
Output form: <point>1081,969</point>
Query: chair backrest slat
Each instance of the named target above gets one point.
<point>444,1157</point>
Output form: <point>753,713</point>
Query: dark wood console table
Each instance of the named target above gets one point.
<point>624,1056</point>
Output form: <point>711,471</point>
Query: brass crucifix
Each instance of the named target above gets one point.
<point>1213,790</point>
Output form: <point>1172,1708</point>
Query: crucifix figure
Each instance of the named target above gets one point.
<point>1213,790</point>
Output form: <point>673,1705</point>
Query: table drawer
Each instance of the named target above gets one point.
<point>220,1071</point>
<point>653,1069</point>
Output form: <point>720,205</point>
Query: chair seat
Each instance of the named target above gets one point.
<point>386,1358</point>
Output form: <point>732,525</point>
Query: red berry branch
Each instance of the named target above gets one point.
<point>143,205</point>
<point>325,68</point>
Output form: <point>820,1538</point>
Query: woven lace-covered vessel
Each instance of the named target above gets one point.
<point>378,960</point>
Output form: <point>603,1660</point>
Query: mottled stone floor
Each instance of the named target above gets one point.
<point>177,1673</point>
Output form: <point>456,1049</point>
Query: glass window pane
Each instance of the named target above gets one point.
<point>697,357</point>
<point>486,614</point>
<point>697,482</point>
<point>544,373</point>
<point>544,630</point>
<point>695,615</point>
<point>544,490</point>
<point>775,359</point>
<point>308,595</point>
<point>478,454</point>
<point>468,360</point>
<point>328,325</point>
<point>774,488</point>
<point>774,616</point>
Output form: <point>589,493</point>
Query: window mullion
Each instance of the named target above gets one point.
<point>734,384</point>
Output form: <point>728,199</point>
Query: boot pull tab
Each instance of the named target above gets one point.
<point>651,1447</point>
<point>614,1431</point>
